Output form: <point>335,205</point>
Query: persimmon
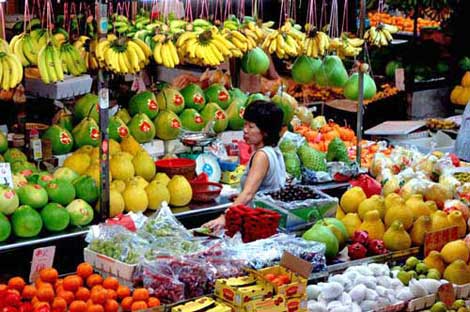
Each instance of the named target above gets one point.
<point>111,294</point>
<point>59,283</point>
<point>78,306</point>
<point>98,296</point>
<point>72,283</point>
<point>111,306</point>
<point>67,295</point>
<point>40,305</point>
<point>82,294</point>
<point>29,291</point>
<point>139,305</point>
<point>126,303</point>
<point>34,301</point>
<point>94,279</point>
<point>111,283</point>
<point>17,283</point>
<point>84,270</point>
<point>140,294</point>
<point>89,302</point>
<point>45,293</point>
<point>95,308</point>
<point>3,287</point>
<point>49,275</point>
<point>153,302</point>
<point>123,291</point>
<point>59,304</point>
<point>40,283</point>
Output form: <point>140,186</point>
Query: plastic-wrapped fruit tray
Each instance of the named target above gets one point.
<point>299,205</point>
<point>71,86</point>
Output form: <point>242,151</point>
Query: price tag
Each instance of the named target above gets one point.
<point>5,175</point>
<point>400,79</point>
<point>446,294</point>
<point>437,239</point>
<point>42,258</point>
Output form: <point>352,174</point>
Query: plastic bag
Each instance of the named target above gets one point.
<point>161,281</point>
<point>131,221</point>
<point>117,242</point>
<point>341,172</point>
<point>368,184</point>
<point>310,177</point>
<point>163,223</point>
<point>174,246</point>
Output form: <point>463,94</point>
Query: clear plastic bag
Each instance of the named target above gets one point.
<point>175,246</point>
<point>163,224</point>
<point>117,242</point>
<point>159,278</point>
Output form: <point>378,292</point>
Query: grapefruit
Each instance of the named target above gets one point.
<point>33,195</point>
<point>86,189</point>
<point>26,222</point>
<point>217,93</point>
<point>167,125</point>
<point>80,212</point>
<point>60,191</point>
<point>193,96</point>
<point>5,228</point>
<point>55,217</point>
<point>144,102</point>
<point>9,200</point>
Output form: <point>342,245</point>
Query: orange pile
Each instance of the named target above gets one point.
<point>403,23</point>
<point>319,139</point>
<point>84,291</point>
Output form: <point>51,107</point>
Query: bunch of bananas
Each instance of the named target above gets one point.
<point>123,56</point>
<point>381,35</point>
<point>4,46</point>
<point>87,47</point>
<point>50,64</point>
<point>285,42</point>
<point>252,30</point>
<point>164,51</point>
<point>206,48</point>
<point>11,70</point>
<point>72,62</point>
<point>242,42</point>
<point>316,42</point>
<point>346,46</point>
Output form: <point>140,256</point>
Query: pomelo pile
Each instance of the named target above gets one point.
<point>84,291</point>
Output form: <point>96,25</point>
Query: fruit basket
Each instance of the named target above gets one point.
<point>205,191</point>
<point>179,166</point>
<point>299,205</point>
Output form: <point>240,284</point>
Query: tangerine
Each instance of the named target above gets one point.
<point>84,270</point>
<point>126,303</point>
<point>153,302</point>
<point>139,305</point>
<point>49,275</point>
<point>67,295</point>
<point>72,283</point>
<point>40,283</point>
<point>140,294</point>
<point>40,305</point>
<point>95,308</point>
<point>29,291</point>
<point>59,304</point>
<point>99,296</point>
<point>123,291</point>
<point>78,306</point>
<point>3,287</point>
<point>111,306</point>
<point>111,283</point>
<point>82,294</point>
<point>94,279</point>
<point>111,294</point>
<point>16,283</point>
<point>45,293</point>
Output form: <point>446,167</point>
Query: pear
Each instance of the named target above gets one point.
<point>144,165</point>
<point>396,238</point>
<point>399,212</point>
<point>455,250</point>
<point>457,272</point>
<point>375,202</point>
<point>339,213</point>
<point>434,260</point>
<point>417,206</point>
<point>455,218</point>
<point>439,220</point>
<point>422,225</point>
<point>391,200</point>
<point>373,225</point>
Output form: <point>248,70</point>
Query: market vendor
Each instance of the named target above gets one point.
<point>266,170</point>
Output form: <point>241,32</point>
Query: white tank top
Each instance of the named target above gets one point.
<point>275,178</point>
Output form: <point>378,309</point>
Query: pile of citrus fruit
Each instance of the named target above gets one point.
<point>84,291</point>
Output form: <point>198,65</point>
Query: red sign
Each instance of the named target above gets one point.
<point>437,239</point>
<point>446,294</point>
<point>152,105</point>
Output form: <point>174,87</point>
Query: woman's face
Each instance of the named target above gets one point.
<point>252,134</point>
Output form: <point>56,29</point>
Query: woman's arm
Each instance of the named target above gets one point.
<point>259,168</point>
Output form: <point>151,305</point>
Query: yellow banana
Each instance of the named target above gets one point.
<point>42,65</point>
<point>144,47</point>
<point>133,59</point>
<point>50,63</point>
<point>6,71</point>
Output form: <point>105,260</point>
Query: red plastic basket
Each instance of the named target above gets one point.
<point>177,166</point>
<point>205,191</point>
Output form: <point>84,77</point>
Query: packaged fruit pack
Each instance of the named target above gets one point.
<point>117,242</point>
<point>163,223</point>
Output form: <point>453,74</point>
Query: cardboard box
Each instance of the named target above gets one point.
<point>238,291</point>
<point>462,291</point>
<point>71,86</point>
<point>203,304</point>
<point>278,303</point>
<point>297,304</point>
<point>419,304</point>
<point>298,271</point>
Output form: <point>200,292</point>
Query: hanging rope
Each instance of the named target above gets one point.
<point>312,13</point>
<point>241,9</point>
<point>322,14</point>
<point>345,22</point>
<point>333,29</point>
<point>188,14</point>
<point>26,15</point>
<point>228,9</point>
<point>2,17</point>
<point>218,14</point>
<point>204,9</point>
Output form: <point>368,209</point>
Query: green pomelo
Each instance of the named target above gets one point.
<point>170,99</point>
<point>351,88</point>
<point>14,154</point>
<point>33,195</point>
<point>217,94</point>
<point>60,138</point>
<point>193,96</point>
<point>303,69</point>
<point>86,106</point>
<point>191,120</point>
<point>391,67</point>
<point>24,167</point>
<point>9,200</point>
<point>55,217</point>
<point>255,62</point>
<point>287,104</point>
<point>212,111</point>
<point>80,212</point>
<point>124,115</point>
<point>142,128</point>
<point>65,174</point>
<point>86,132</point>
<point>44,178</point>
<point>86,189</point>
<point>5,228</point>
<point>117,129</point>
<point>144,102</point>
<point>60,191</point>
<point>237,94</point>
<point>256,97</point>
<point>3,142</point>
<point>235,115</point>
<point>167,125</point>
<point>331,72</point>
<point>26,222</point>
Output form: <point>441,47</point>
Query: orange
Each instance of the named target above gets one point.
<point>59,282</point>
<point>45,294</point>
<point>34,301</point>
<point>72,283</point>
<point>67,295</point>
<point>138,305</point>
<point>111,283</point>
<point>140,294</point>
<point>126,303</point>
<point>3,287</point>
<point>153,302</point>
<point>94,279</point>
<point>78,306</point>
<point>16,283</point>
<point>111,294</point>
<point>29,291</point>
<point>123,291</point>
<point>59,305</point>
<point>99,296</point>
<point>84,270</point>
<point>111,306</point>
<point>49,275</point>
<point>42,305</point>
<point>82,294</point>
<point>95,308</point>
<point>89,302</point>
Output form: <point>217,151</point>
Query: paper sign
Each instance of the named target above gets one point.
<point>42,258</point>
<point>5,175</point>
<point>400,79</point>
<point>296,264</point>
<point>446,294</point>
<point>437,239</point>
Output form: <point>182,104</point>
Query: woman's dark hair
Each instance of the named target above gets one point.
<point>268,118</point>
